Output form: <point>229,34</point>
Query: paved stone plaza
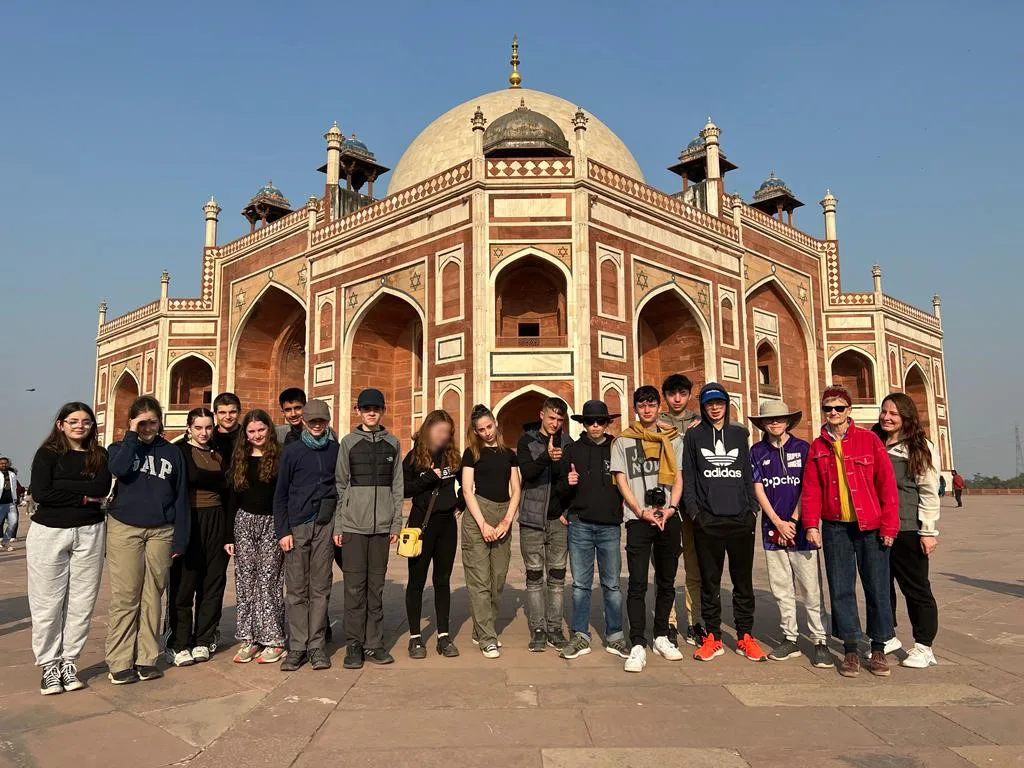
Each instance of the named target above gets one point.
<point>530,710</point>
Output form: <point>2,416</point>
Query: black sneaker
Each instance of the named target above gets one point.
<point>147,672</point>
<point>557,639</point>
<point>293,660</point>
<point>50,682</point>
<point>822,658</point>
<point>124,677</point>
<point>69,676</point>
<point>538,641</point>
<point>787,649</point>
<point>673,635</point>
<point>446,648</point>
<point>318,659</point>
<point>695,635</point>
<point>353,656</point>
<point>378,656</point>
<point>417,650</point>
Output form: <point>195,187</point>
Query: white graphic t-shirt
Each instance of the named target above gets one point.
<point>628,457</point>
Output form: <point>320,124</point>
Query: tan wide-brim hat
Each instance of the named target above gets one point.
<point>774,409</point>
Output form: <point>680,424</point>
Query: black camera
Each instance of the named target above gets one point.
<point>655,497</point>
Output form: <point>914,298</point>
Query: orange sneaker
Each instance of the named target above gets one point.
<point>747,646</point>
<point>709,649</point>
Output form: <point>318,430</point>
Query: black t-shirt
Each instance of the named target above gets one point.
<point>60,486</point>
<point>491,472</point>
<point>258,497</point>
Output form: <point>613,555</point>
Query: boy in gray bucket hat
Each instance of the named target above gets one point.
<point>778,461</point>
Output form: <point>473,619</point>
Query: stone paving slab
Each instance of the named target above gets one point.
<point>653,757</point>
<point>872,692</point>
<point>529,710</point>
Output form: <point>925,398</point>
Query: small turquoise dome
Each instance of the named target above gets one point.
<point>355,146</point>
<point>697,143</point>
<point>269,190</point>
<point>771,187</point>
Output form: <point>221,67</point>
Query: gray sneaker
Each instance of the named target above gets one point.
<point>787,649</point>
<point>557,639</point>
<point>618,648</point>
<point>822,658</point>
<point>578,646</point>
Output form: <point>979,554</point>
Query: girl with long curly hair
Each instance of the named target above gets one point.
<point>259,580</point>
<point>430,471</point>
<point>916,464</point>
<point>70,483</point>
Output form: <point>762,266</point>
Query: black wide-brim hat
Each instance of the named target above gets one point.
<point>595,409</point>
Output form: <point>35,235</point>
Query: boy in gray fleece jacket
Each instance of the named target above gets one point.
<point>367,521</point>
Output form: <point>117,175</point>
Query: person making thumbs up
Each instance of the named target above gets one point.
<point>595,531</point>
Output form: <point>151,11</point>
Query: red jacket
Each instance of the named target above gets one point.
<point>869,474</point>
<point>958,482</point>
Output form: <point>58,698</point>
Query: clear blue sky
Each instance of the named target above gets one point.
<point>121,119</point>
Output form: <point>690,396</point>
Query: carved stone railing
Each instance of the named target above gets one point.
<point>531,341</point>
<point>907,310</point>
<point>640,191</point>
<point>854,299</point>
<point>788,232</point>
<point>128,318</point>
<point>531,168</point>
<point>396,202</point>
<point>297,219</point>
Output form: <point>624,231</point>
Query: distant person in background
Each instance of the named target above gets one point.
<point>958,488</point>
<point>227,410</point>
<point>942,486</point>
<point>70,481</point>
<point>915,463</point>
<point>10,497</point>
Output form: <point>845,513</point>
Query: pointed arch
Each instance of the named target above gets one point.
<point>679,340</point>
<point>267,352</point>
<point>797,352</point>
<point>855,369</point>
<point>917,386</point>
<point>190,382</point>
<point>522,406</point>
<point>386,348</point>
<point>769,378</point>
<point>126,388</point>
<point>531,301</point>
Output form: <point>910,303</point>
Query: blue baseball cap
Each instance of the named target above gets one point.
<point>713,394</point>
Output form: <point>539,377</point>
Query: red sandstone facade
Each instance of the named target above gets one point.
<point>505,277</point>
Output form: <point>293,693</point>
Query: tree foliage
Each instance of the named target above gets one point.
<point>991,481</point>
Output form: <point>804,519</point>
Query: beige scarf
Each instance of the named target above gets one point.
<point>657,445</point>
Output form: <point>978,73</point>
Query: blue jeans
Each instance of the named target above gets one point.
<point>586,540</point>
<point>9,516</point>
<point>849,550</point>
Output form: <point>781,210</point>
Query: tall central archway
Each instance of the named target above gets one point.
<point>270,353</point>
<point>916,387</point>
<point>387,354</point>
<point>125,392</point>
<point>669,340</point>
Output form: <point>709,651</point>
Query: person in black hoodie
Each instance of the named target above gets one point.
<point>595,530</point>
<point>431,469</point>
<point>196,590</point>
<point>149,524</point>
<point>718,495</point>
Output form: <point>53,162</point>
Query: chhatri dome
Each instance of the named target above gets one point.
<point>448,140</point>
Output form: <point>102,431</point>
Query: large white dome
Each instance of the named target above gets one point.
<point>449,139</point>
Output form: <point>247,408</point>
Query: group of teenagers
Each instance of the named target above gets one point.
<point>287,502</point>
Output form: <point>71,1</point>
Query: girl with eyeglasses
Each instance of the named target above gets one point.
<point>70,483</point>
<point>916,464</point>
<point>199,577</point>
<point>851,509</point>
<point>490,484</point>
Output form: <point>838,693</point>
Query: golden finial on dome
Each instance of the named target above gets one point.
<point>515,79</point>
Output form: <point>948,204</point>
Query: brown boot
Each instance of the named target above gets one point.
<point>878,664</point>
<point>850,665</point>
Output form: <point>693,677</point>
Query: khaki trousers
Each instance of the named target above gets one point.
<point>691,584</point>
<point>486,565</point>
<point>138,560</point>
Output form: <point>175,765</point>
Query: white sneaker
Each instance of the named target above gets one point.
<point>200,654</point>
<point>637,659</point>
<point>664,648</point>
<point>183,658</point>
<point>491,651</point>
<point>892,645</point>
<point>920,657</point>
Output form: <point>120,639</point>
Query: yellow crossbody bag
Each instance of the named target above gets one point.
<point>410,540</point>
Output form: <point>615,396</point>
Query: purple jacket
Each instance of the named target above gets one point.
<point>781,473</point>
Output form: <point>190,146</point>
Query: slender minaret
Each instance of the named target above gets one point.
<point>165,279</point>
<point>211,210</point>
<point>515,80</point>
<point>937,308</point>
<point>334,139</point>
<point>710,133</point>
<point>103,315</point>
<point>876,280</point>
<point>479,122</point>
<point>828,205</point>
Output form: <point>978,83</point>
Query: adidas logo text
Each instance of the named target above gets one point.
<point>722,472</point>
